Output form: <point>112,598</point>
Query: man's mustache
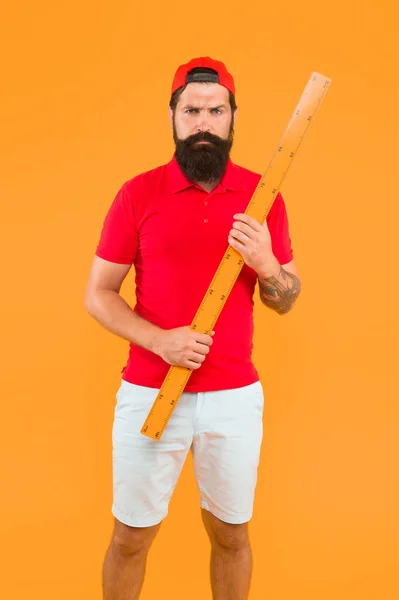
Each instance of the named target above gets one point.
<point>203,136</point>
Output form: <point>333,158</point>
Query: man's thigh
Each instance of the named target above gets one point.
<point>145,471</point>
<point>226,450</point>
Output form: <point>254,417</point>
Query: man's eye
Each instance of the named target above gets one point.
<point>189,110</point>
<point>217,110</point>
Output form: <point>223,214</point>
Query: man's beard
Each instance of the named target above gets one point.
<point>203,162</point>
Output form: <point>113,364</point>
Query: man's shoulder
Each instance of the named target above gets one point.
<point>146,178</point>
<point>246,170</point>
<point>252,179</point>
<point>247,174</point>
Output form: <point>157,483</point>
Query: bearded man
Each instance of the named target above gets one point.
<point>174,223</point>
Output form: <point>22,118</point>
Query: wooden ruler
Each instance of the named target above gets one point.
<point>232,261</point>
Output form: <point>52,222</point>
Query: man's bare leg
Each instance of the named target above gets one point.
<point>125,561</point>
<point>231,558</point>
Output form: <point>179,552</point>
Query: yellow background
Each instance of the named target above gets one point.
<point>84,108</point>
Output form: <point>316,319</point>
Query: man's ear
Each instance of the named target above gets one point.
<point>235,115</point>
<point>170,115</point>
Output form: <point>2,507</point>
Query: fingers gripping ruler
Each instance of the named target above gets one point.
<point>232,261</point>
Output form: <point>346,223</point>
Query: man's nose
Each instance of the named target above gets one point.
<point>203,124</point>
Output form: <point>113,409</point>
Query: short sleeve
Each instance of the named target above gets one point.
<point>277,222</point>
<point>118,239</point>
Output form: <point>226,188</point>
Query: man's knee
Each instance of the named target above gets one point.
<point>133,540</point>
<point>225,535</point>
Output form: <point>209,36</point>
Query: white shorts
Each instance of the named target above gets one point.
<point>223,429</point>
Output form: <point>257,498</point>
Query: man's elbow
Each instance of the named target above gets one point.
<point>288,307</point>
<point>89,302</point>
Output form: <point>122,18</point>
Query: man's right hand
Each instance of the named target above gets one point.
<point>183,347</point>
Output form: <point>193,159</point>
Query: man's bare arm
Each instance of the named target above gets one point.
<point>278,288</point>
<point>112,312</point>
<point>104,302</point>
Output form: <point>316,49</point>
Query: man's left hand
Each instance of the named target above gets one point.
<point>252,240</point>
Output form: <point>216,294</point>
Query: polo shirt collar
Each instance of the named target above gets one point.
<point>232,178</point>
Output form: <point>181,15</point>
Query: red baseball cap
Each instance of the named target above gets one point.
<point>223,77</point>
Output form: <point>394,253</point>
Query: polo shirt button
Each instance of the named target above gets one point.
<point>205,202</point>
<point>205,220</point>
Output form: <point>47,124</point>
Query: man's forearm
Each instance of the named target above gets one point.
<point>278,289</point>
<point>112,312</point>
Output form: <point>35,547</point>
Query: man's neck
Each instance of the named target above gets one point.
<point>207,186</point>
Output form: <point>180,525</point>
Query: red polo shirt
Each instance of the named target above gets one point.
<point>175,233</point>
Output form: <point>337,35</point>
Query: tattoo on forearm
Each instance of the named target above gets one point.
<point>279,293</point>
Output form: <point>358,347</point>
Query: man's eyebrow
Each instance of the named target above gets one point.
<point>198,107</point>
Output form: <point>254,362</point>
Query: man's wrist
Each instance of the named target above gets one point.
<point>155,341</point>
<point>270,269</point>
